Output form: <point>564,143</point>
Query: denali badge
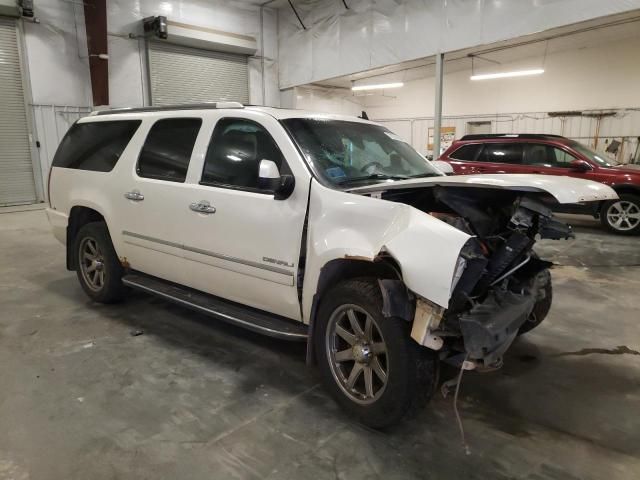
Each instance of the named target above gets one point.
<point>277,262</point>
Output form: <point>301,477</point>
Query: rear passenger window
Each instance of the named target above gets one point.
<point>167,150</point>
<point>236,149</point>
<point>94,146</point>
<point>502,153</point>
<point>466,152</point>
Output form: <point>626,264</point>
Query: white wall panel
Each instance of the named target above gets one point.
<point>127,72</point>
<point>596,77</point>
<point>57,54</point>
<point>375,33</point>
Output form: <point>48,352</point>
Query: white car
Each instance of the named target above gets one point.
<point>321,228</point>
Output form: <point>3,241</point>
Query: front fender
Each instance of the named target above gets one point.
<point>351,226</point>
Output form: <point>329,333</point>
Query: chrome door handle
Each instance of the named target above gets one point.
<point>134,195</point>
<point>202,207</point>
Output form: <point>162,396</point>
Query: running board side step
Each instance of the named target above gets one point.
<point>246,317</point>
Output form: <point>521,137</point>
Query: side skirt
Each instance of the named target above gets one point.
<point>246,317</point>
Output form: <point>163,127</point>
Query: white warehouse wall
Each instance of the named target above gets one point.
<point>594,78</point>
<point>58,69</point>
<point>372,33</point>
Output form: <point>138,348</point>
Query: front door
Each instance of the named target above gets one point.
<point>240,242</point>
<point>548,159</point>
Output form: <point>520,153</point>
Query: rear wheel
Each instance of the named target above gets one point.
<point>369,362</point>
<point>623,215</point>
<point>97,266</point>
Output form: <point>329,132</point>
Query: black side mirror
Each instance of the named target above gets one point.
<point>285,187</point>
<point>580,166</point>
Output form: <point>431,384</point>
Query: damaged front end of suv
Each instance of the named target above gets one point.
<point>500,286</point>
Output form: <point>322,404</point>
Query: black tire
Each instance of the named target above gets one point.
<point>110,289</point>
<point>412,370</point>
<point>628,226</point>
<point>542,306</point>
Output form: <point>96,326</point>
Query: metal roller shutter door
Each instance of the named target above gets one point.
<point>192,75</point>
<point>16,168</point>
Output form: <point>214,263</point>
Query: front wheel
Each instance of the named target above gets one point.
<point>542,305</point>
<point>369,362</point>
<point>623,215</point>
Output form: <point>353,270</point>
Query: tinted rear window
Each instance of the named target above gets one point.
<point>95,146</point>
<point>167,149</point>
<point>466,152</point>
<point>502,153</point>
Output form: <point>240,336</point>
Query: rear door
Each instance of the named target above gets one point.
<point>151,199</point>
<point>500,158</point>
<point>487,157</point>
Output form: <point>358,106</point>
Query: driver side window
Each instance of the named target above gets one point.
<point>562,158</point>
<point>233,158</point>
<point>542,155</point>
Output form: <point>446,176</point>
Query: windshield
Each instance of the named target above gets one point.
<point>598,158</point>
<point>352,153</point>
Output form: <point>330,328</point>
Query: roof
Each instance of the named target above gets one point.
<point>487,136</point>
<point>278,113</point>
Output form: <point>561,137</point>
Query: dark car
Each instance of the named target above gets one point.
<point>554,155</point>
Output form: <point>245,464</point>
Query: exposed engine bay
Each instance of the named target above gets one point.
<point>500,283</point>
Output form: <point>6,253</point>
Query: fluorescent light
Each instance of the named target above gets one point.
<point>517,73</point>
<point>379,86</point>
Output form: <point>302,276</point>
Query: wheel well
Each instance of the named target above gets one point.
<point>338,270</point>
<point>78,217</point>
<point>346,268</point>
<point>619,189</point>
<point>633,189</point>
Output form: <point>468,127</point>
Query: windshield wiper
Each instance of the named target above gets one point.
<point>373,176</point>
<point>424,175</point>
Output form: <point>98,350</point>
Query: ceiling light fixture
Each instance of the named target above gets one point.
<point>379,86</point>
<point>517,73</point>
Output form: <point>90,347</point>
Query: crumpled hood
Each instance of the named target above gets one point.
<point>563,189</point>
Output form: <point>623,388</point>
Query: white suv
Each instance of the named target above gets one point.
<point>321,228</point>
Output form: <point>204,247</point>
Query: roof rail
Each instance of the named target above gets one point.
<point>481,136</point>
<point>164,108</point>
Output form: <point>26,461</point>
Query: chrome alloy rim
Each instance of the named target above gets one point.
<point>92,264</point>
<point>623,215</point>
<point>357,354</point>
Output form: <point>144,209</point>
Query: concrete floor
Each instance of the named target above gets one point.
<point>81,398</point>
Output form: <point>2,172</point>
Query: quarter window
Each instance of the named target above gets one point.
<point>167,150</point>
<point>466,152</point>
<point>236,149</point>
<point>95,146</point>
<point>502,153</point>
